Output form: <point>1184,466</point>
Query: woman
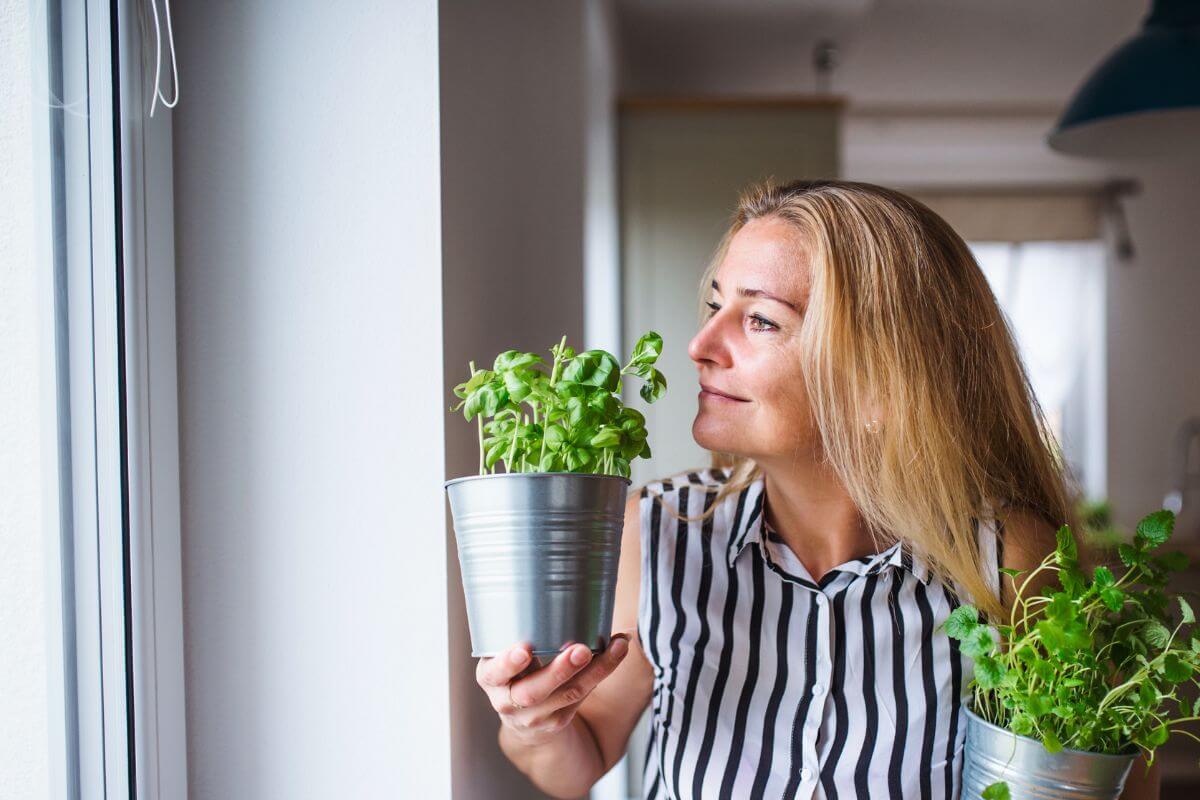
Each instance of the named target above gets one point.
<point>878,455</point>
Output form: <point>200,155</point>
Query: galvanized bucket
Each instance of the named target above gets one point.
<point>539,554</point>
<point>994,754</point>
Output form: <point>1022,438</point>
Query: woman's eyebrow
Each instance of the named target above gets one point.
<point>744,292</point>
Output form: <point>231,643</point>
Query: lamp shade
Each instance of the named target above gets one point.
<point>1144,99</point>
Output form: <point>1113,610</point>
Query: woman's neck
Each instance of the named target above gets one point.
<point>814,514</point>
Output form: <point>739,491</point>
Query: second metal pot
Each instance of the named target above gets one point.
<point>1031,772</point>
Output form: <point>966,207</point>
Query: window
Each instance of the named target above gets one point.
<point>93,257</point>
<point>1053,295</point>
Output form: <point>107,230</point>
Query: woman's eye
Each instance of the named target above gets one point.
<point>760,323</point>
<point>764,324</point>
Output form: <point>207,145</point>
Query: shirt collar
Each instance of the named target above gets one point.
<point>749,525</point>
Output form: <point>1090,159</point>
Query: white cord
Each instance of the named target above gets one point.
<point>158,58</point>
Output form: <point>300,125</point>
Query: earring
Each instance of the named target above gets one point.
<point>874,426</point>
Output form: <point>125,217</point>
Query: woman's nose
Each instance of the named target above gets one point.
<point>707,344</point>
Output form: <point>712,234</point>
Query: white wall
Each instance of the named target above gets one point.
<point>942,92</point>
<point>24,735</point>
<point>307,217</point>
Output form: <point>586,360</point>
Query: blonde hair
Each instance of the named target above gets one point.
<point>901,319</point>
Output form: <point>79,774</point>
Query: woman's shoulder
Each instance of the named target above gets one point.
<point>685,493</point>
<point>663,489</point>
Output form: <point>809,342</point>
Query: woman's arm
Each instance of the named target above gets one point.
<point>1141,785</point>
<point>609,700</point>
<point>614,708</point>
<point>1028,540</point>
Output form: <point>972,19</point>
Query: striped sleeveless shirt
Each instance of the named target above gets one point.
<point>769,684</point>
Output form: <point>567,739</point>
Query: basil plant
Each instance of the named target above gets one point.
<point>567,418</point>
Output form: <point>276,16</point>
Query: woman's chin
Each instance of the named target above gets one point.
<point>717,438</point>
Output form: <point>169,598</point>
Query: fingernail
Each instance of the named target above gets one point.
<point>619,646</point>
<point>518,656</point>
<point>580,656</point>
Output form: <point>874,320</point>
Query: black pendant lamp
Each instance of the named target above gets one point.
<point>1144,99</point>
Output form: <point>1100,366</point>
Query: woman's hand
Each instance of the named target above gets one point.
<point>538,704</point>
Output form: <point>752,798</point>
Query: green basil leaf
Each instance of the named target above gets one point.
<point>594,368</point>
<point>655,388</point>
<point>647,349</point>
<point>555,436</point>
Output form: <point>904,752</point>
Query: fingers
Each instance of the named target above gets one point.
<point>536,687</point>
<point>498,671</point>
<point>576,690</point>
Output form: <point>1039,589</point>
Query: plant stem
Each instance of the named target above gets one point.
<point>557,354</point>
<point>513,448</point>
<point>479,418</point>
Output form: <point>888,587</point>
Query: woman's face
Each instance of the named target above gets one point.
<point>749,348</point>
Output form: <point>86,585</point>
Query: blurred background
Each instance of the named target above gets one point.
<point>350,202</point>
<point>648,116</point>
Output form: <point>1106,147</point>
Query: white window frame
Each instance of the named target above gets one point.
<point>116,675</point>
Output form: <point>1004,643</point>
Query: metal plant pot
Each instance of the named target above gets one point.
<point>539,554</point>
<point>995,754</point>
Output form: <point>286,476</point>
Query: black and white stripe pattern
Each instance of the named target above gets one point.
<point>768,684</point>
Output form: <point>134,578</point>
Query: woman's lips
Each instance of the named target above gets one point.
<point>711,394</point>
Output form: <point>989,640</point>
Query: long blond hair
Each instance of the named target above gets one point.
<point>901,320</point>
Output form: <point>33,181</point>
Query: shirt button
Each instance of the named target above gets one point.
<point>818,688</point>
<point>805,773</point>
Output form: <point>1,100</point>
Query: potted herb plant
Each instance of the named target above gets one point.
<point>1085,674</point>
<point>539,528</point>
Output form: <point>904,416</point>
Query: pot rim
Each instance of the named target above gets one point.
<point>464,478</point>
<point>1066,750</point>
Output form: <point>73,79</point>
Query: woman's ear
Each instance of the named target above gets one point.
<point>873,420</point>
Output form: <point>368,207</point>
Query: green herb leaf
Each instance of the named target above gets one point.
<point>996,791</point>
<point>1155,634</point>
<point>1112,598</point>
<point>648,349</point>
<point>1044,671</point>
<point>988,672</point>
<point>978,643</point>
<point>1022,724</point>
<point>1154,738</point>
<point>961,622</point>
<point>1066,551</point>
<point>1175,669</point>
<point>655,388</point>
<point>1039,705</point>
<point>607,437</point>
<point>1189,616</point>
<point>1051,742</point>
<point>1156,528</point>
<point>593,368</point>
<point>1130,556</point>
